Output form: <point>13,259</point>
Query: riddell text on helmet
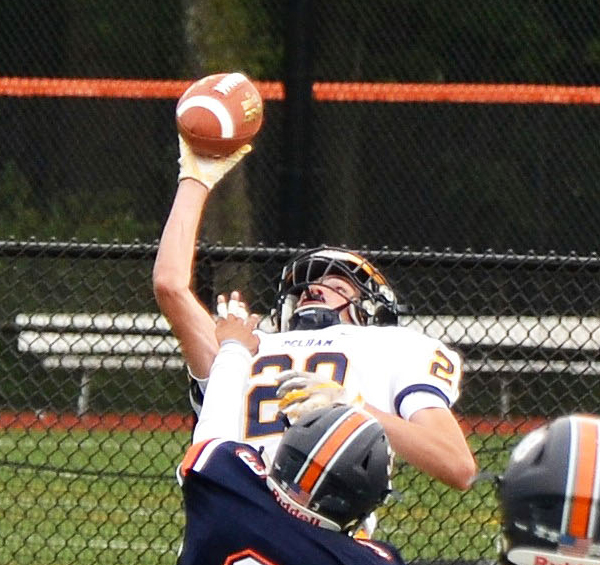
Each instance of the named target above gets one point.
<point>541,560</point>
<point>295,511</point>
<point>533,556</point>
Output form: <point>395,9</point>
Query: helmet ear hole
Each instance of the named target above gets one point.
<point>365,462</point>
<point>538,458</point>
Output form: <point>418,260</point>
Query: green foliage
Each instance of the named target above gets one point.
<point>18,215</point>
<point>82,215</point>
<point>232,35</point>
<point>429,41</point>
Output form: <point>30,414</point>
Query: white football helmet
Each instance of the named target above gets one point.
<point>375,305</point>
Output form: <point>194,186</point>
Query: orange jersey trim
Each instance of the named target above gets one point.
<point>192,455</point>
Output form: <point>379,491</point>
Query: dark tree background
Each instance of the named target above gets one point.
<point>504,176</point>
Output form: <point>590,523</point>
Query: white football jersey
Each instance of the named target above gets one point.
<point>385,365</point>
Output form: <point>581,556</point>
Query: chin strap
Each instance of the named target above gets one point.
<point>314,317</point>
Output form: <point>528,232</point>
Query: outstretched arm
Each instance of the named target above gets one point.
<point>222,409</point>
<point>433,442</point>
<point>223,399</point>
<point>172,279</point>
<point>190,320</point>
<point>430,438</point>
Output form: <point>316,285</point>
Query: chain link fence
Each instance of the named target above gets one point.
<point>502,171</point>
<point>465,131</point>
<point>95,416</point>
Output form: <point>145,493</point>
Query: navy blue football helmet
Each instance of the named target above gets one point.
<point>332,467</point>
<point>549,495</point>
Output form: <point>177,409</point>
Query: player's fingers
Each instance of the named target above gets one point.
<point>307,376</point>
<point>242,310</point>
<point>221,306</point>
<point>290,398</point>
<point>290,386</point>
<point>309,387</point>
<point>184,148</point>
<point>243,150</point>
<point>288,374</point>
<point>233,307</point>
<point>253,320</point>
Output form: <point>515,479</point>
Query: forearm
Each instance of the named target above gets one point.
<point>223,400</point>
<point>172,277</point>
<point>434,444</point>
<point>194,331</point>
<point>190,320</point>
<point>174,260</point>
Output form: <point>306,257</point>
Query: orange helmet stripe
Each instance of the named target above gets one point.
<point>340,255</point>
<point>328,449</point>
<point>583,460</point>
<point>366,267</point>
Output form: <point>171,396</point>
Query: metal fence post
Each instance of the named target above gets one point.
<point>295,179</point>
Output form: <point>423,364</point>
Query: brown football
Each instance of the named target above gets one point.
<point>219,113</point>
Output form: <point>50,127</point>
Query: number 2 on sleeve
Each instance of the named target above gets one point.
<point>442,368</point>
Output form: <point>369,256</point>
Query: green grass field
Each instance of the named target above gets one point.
<point>107,498</point>
<point>433,522</point>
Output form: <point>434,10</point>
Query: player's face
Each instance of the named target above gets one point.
<point>333,291</point>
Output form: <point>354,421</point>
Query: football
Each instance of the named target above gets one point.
<point>219,113</point>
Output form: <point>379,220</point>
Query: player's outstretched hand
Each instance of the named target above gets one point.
<point>207,170</point>
<point>235,324</point>
<point>301,392</point>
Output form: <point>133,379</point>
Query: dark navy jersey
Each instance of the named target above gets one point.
<point>232,518</point>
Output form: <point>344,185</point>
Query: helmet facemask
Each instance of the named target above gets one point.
<point>374,305</point>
